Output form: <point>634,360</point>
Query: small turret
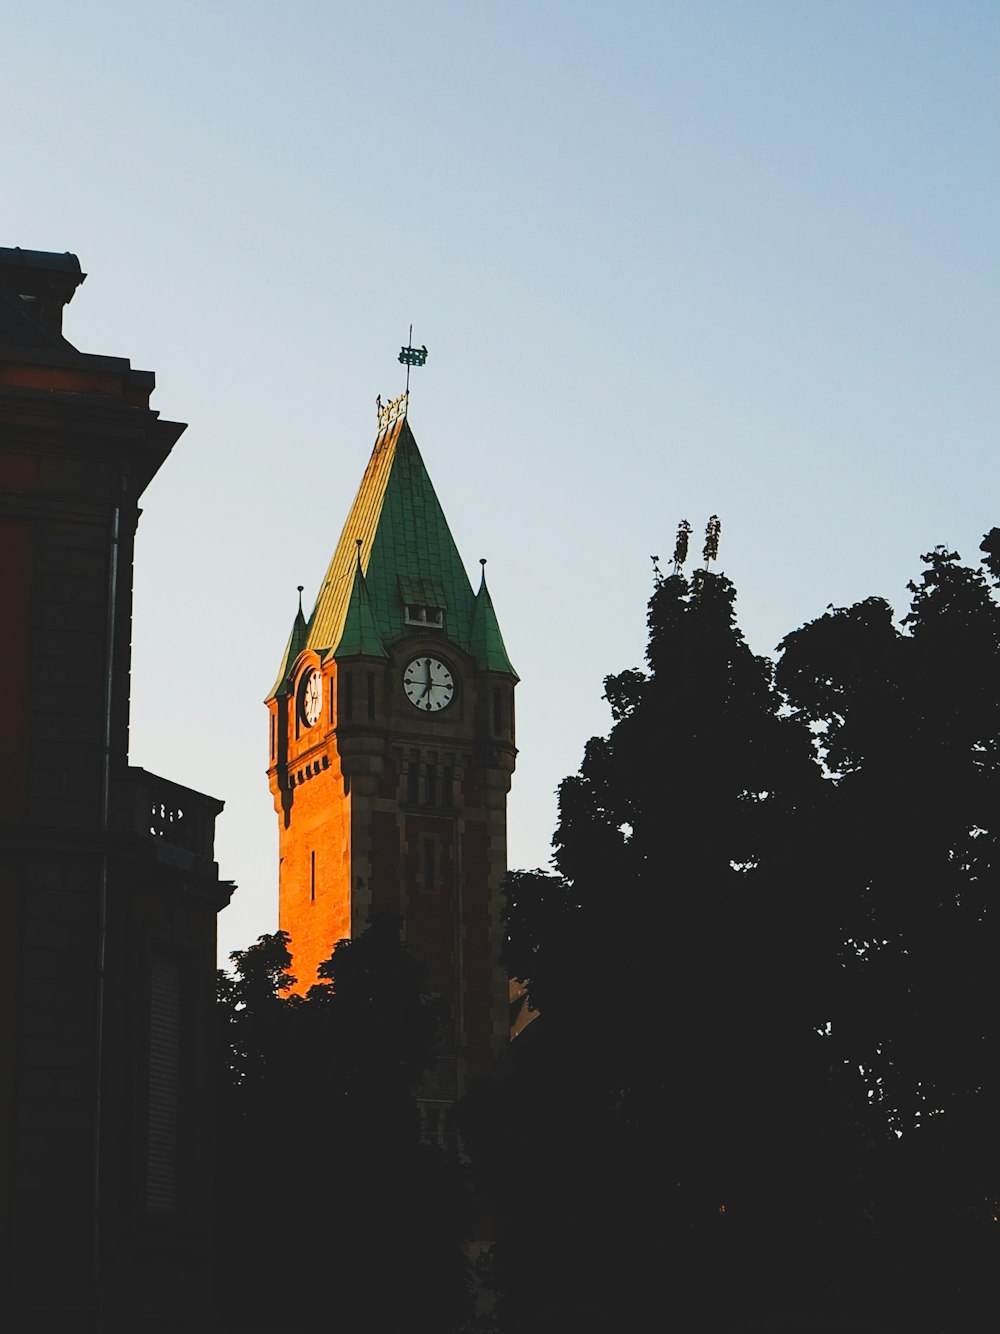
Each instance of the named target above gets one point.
<point>296,643</point>
<point>360,637</point>
<point>485,640</point>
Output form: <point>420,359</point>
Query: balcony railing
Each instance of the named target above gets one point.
<point>177,814</point>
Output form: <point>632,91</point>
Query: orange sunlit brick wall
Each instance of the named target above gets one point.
<point>315,872</point>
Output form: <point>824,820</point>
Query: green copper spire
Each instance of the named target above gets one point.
<point>360,637</point>
<point>485,641</point>
<point>407,552</point>
<point>296,643</point>
<point>396,570</point>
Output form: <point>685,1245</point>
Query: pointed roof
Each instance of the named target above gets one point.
<point>360,635</point>
<point>407,552</point>
<point>485,641</point>
<point>395,550</point>
<point>296,643</point>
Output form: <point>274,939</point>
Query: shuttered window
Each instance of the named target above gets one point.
<point>161,1093</point>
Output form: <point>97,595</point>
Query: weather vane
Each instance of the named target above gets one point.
<point>396,407</point>
<point>412,356</point>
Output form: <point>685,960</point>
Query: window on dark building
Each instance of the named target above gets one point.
<point>430,865</point>
<point>162,1082</point>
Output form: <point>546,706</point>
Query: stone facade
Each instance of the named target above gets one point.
<point>108,887</point>
<point>384,805</point>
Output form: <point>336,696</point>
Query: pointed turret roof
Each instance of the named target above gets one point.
<point>296,643</point>
<point>407,552</point>
<point>396,551</point>
<point>485,641</point>
<point>360,635</point>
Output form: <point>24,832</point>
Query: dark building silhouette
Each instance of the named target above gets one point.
<point>108,887</point>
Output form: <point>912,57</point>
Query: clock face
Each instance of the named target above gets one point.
<point>429,684</point>
<point>312,697</point>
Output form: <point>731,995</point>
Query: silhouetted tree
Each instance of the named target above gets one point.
<point>681,545</point>
<point>908,724</point>
<point>257,1076</point>
<point>331,1209</point>
<point>667,1100</point>
<point>991,545</point>
<point>760,1091</point>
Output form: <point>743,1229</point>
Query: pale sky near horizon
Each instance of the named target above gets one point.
<point>669,259</point>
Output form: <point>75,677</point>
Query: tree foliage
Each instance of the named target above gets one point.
<point>331,1210</point>
<point>907,720</point>
<point>762,1075</point>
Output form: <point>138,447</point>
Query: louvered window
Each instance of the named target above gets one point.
<point>161,1093</point>
<point>418,614</point>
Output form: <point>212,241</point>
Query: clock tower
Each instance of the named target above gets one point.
<point>392,749</point>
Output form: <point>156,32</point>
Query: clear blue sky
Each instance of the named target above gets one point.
<point>670,259</point>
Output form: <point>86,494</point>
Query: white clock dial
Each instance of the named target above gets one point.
<point>312,697</point>
<point>429,684</point>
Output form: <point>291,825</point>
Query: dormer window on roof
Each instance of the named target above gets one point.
<point>424,599</point>
<point>419,614</point>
